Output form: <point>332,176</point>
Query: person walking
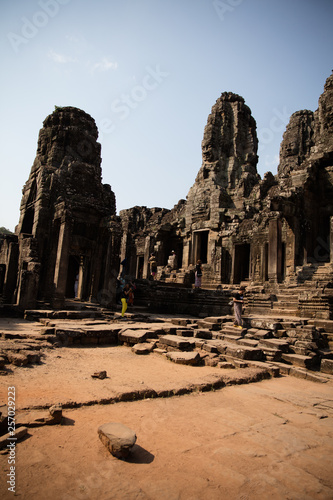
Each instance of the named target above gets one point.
<point>124,296</point>
<point>238,300</point>
<point>198,274</point>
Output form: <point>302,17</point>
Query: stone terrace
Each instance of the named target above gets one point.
<point>288,345</point>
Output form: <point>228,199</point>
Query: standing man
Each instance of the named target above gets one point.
<point>238,307</point>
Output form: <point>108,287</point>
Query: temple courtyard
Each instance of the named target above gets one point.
<point>209,430</point>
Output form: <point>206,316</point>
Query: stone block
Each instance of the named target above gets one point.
<point>101,375</point>
<point>326,366</point>
<point>262,334</point>
<point>265,324</point>
<point>133,336</point>
<point>248,342</point>
<point>184,332</point>
<point>298,360</point>
<point>117,438</point>
<point>277,344</point>
<point>226,365</point>
<point>184,358</point>
<point>17,358</point>
<point>19,433</point>
<point>177,342</point>
<point>252,353</point>
<point>203,334</point>
<point>143,348</point>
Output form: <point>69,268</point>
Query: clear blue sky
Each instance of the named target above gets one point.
<point>148,72</point>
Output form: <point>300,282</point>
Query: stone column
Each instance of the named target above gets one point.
<point>186,253</point>
<point>274,250</point>
<point>61,266</point>
<point>146,258</point>
<point>233,256</point>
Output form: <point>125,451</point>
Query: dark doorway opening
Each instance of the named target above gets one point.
<point>2,277</point>
<point>226,264</point>
<point>242,262</point>
<point>139,267</point>
<point>201,246</point>
<point>28,221</point>
<point>72,275</point>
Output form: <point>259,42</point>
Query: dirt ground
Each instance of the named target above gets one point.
<point>269,439</point>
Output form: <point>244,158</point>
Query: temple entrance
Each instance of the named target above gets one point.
<point>72,275</point>
<point>242,262</point>
<point>139,267</point>
<point>200,246</point>
<point>226,265</point>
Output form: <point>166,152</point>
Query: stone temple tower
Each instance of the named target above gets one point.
<point>68,234</point>
<point>227,175</point>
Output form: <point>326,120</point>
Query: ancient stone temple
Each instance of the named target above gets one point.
<point>67,240</point>
<point>271,232</point>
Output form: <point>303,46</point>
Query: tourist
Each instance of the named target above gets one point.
<point>130,300</point>
<point>198,274</point>
<point>124,297</point>
<point>172,260</point>
<point>76,286</point>
<point>238,300</point>
<point>153,265</point>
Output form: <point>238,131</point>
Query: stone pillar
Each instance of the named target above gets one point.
<point>186,253</point>
<point>274,251</point>
<point>233,255</point>
<point>146,258</point>
<point>61,266</point>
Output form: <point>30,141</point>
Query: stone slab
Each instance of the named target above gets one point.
<point>143,348</point>
<point>6,439</point>
<point>184,358</point>
<point>252,353</point>
<point>117,438</point>
<point>326,366</point>
<point>179,342</point>
<point>278,344</point>
<point>298,360</point>
<point>133,336</point>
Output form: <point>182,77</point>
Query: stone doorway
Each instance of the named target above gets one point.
<point>72,274</point>
<point>241,262</point>
<point>139,267</point>
<point>200,246</point>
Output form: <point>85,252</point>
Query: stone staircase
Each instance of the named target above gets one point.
<point>315,274</point>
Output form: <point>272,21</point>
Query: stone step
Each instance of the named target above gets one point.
<point>300,360</point>
<point>181,343</point>
<point>277,344</point>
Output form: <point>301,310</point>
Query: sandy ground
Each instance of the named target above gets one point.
<point>270,439</point>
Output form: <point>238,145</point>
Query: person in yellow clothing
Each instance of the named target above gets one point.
<point>124,297</point>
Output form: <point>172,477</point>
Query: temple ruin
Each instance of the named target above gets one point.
<point>68,230</point>
<point>273,234</point>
